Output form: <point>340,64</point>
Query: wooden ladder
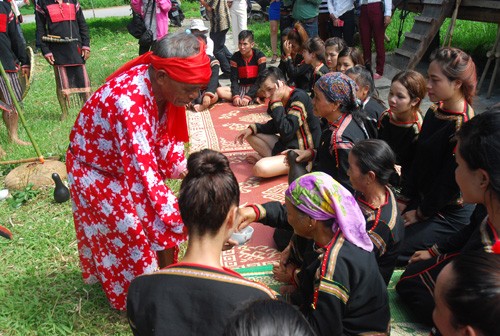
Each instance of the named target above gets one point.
<point>424,30</point>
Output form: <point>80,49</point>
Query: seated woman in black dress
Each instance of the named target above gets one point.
<point>342,126</point>
<point>478,176</point>
<point>371,170</point>
<point>400,125</point>
<point>197,295</point>
<point>434,207</point>
<point>342,290</point>
<point>467,295</point>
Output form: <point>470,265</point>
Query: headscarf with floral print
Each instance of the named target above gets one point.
<point>322,198</point>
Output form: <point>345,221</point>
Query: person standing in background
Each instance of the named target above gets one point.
<point>374,18</point>
<point>238,11</point>
<point>155,15</point>
<point>218,14</point>
<point>274,20</point>
<point>343,20</point>
<point>306,12</point>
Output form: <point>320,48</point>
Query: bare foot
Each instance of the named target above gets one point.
<point>18,141</point>
<point>253,158</point>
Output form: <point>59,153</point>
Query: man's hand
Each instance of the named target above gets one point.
<point>280,91</point>
<point>50,58</point>
<point>229,244</point>
<point>303,155</point>
<point>85,54</point>
<point>419,256</point>
<point>410,217</point>
<point>287,48</point>
<point>25,72</point>
<point>243,135</point>
<point>387,20</point>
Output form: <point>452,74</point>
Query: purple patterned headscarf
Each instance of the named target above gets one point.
<point>322,198</point>
<point>340,88</point>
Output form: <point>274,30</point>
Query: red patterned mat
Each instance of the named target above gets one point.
<point>217,129</point>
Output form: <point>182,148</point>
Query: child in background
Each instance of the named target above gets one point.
<point>246,65</point>
<point>332,48</point>
<point>373,106</point>
<point>208,97</point>
<point>314,55</point>
<point>349,57</point>
<point>400,125</point>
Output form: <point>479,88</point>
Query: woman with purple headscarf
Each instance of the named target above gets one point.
<point>346,294</point>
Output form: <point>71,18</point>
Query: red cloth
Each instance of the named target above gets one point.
<point>119,158</point>
<point>191,70</point>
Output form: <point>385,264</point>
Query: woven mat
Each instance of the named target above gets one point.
<point>402,323</point>
<point>216,129</point>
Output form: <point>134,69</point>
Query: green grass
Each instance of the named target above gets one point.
<point>476,38</point>
<point>41,289</point>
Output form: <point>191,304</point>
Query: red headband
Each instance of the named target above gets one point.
<point>190,70</point>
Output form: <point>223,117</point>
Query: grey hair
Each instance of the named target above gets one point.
<point>180,45</point>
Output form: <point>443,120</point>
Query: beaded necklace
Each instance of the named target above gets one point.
<point>334,126</point>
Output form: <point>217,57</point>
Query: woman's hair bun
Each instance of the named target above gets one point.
<point>209,163</point>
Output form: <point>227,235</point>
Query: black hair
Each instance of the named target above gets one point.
<point>246,34</point>
<point>457,65</point>
<point>316,46</point>
<point>480,145</point>
<point>272,72</point>
<point>335,42</point>
<point>473,295</point>
<point>285,31</point>
<point>353,53</point>
<point>208,192</point>
<point>377,156</point>
<point>298,34</point>
<point>268,318</point>
<point>363,77</point>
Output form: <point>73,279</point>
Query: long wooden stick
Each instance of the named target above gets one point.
<point>451,28</point>
<point>57,157</point>
<point>20,112</point>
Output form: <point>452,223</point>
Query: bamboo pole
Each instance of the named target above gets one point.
<point>56,158</point>
<point>20,112</point>
<point>451,28</point>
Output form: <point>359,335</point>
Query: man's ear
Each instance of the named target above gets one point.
<point>161,77</point>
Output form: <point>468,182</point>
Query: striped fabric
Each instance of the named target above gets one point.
<point>16,86</point>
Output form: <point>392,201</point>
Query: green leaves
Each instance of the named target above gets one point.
<point>20,197</point>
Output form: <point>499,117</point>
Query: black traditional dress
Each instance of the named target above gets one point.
<point>416,285</point>
<point>295,123</point>
<point>337,140</point>
<point>244,73</point>
<point>188,299</point>
<point>386,230</point>
<point>317,73</point>
<point>63,33</point>
<point>349,296</point>
<point>402,138</point>
<point>297,73</point>
<point>430,187</point>
<point>12,54</point>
